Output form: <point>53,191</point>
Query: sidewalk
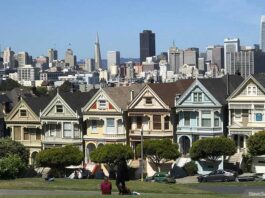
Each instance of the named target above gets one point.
<point>187,180</point>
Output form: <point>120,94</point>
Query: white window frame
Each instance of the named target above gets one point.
<point>24,111</point>
<point>67,132</point>
<point>238,115</point>
<point>188,120</point>
<point>56,108</point>
<point>197,97</point>
<point>206,112</point>
<point>252,90</point>
<point>102,104</point>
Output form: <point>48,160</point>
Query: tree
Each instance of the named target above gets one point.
<point>11,167</point>
<point>10,147</point>
<point>158,150</point>
<point>59,158</point>
<point>39,91</point>
<point>256,144</point>
<point>109,153</point>
<point>8,84</point>
<point>66,87</point>
<point>212,148</point>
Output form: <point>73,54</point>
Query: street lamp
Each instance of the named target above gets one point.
<point>142,155</point>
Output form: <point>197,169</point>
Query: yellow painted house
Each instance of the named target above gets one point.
<point>105,117</point>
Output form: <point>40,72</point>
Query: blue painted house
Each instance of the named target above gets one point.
<point>202,112</point>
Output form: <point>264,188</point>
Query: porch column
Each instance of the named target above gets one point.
<point>245,142</point>
<point>61,129</point>
<point>238,143</point>
<point>229,117</point>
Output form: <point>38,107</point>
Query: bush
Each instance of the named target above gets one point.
<point>256,144</point>
<point>191,168</point>
<point>11,167</point>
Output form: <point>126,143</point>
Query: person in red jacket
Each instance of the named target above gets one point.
<point>106,186</point>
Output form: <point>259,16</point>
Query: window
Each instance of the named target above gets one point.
<point>17,133</point>
<point>26,134</point>
<point>251,90</point>
<point>206,118</point>
<point>148,100</point>
<point>94,126</point>
<point>38,134</point>
<point>102,104</point>
<point>110,122</point>
<point>53,129</point>
<point>216,119</point>
<point>23,112</point>
<point>186,118</point>
<point>139,122</point>
<point>259,117</point>
<point>59,108</point>
<point>67,129</point>
<point>197,97</point>
<point>76,131</point>
<point>156,121</point>
<point>166,123</point>
<point>237,114</point>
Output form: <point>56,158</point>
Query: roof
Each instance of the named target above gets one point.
<point>77,100</point>
<point>121,95</point>
<point>260,78</point>
<point>37,103</point>
<point>4,98</point>
<point>168,91</point>
<point>218,86</point>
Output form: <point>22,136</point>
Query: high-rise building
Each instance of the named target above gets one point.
<point>90,64</point>
<point>175,58</point>
<point>113,58</point>
<point>8,58</point>
<point>52,55</point>
<point>262,33</point>
<point>209,53</point>
<point>97,54</point>
<point>70,59</point>
<point>191,56</point>
<point>218,56</point>
<point>230,45</point>
<point>147,45</point>
<point>201,65</point>
<point>27,74</point>
<point>22,59</point>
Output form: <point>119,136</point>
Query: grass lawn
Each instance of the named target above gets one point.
<point>91,186</point>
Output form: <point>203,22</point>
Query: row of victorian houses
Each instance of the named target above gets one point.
<point>183,111</point>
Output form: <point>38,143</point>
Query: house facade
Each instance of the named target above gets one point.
<point>105,117</point>
<point>151,111</point>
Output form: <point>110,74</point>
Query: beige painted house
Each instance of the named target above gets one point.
<point>105,117</point>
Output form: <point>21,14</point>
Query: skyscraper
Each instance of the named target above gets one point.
<point>191,56</point>
<point>175,58</point>
<point>8,58</point>
<point>22,59</point>
<point>230,45</point>
<point>52,55</point>
<point>69,59</point>
<point>97,54</point>
<point>262,33</point>
<point>147,45</point>
<point>113,58</point>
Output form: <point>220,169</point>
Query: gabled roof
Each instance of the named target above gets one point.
<point>168,91</point>
<point>260,78</point>
<point>37,104</point>
<point>221,88</point>
<point>121,95</point>
<point>77,100</point>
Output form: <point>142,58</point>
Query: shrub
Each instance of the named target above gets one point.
<point>191,168</point>
<point>11,167</point>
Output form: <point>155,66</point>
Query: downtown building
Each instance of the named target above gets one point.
<point>147,44</point>
<point>262,33</point>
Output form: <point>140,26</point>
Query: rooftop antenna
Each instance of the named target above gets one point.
<point>174,44</point>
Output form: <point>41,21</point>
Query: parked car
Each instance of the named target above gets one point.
<point>161,177</point>
<point>218,175</point>
<point>251,177</point>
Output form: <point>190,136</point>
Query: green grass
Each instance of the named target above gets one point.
<point>91,186</point>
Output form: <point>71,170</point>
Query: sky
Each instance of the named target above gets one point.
<point>36,25</point>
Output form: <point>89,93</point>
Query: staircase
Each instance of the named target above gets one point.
<point>236,158</point>
<point>181,161</point>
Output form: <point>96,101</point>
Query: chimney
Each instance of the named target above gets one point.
<point>131,95</point>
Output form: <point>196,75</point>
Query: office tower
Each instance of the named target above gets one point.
<point>175,58</point>
<point>147,45</point>
<point>52,55</point>
<point>218,56</point>
<point>191,56</point>
<point>262,33</point>
<point>209,53</point>
<point>113,58</point>
<point>22,59</point>
<point>201,65</point>
<point>28,73</point>
<point>230,45</point>
<point>70,59</point>
<point>97,54</point>
<point>42,62</point>
<point>90,64</point>
<point>8,58</point>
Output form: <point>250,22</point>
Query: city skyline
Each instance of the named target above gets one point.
<point>190,24</point>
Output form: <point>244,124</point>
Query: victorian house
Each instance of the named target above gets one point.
<point>25,125</point>
<point>61,119</point>
<point>105,117</point>
<point>202,110</point>
<point>152,111</point>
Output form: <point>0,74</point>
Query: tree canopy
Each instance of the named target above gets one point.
<point>158,150</point>
<point>256,144</point>
<point>109,153</point>
<point>59,158</point>
<point>8,84</point>
<point>10,147</point>
<point>66,86</point>
<point>212,148</point>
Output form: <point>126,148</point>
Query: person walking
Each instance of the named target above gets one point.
<point>122,174</point>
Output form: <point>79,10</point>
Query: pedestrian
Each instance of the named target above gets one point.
<point>106,186</point>
<point>122,174</point>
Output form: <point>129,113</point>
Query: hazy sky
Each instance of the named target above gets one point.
<point>36,25</point>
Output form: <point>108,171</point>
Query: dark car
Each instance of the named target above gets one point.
<point>217,175</point>
<point>160,177</point>
<point>251,177</point>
